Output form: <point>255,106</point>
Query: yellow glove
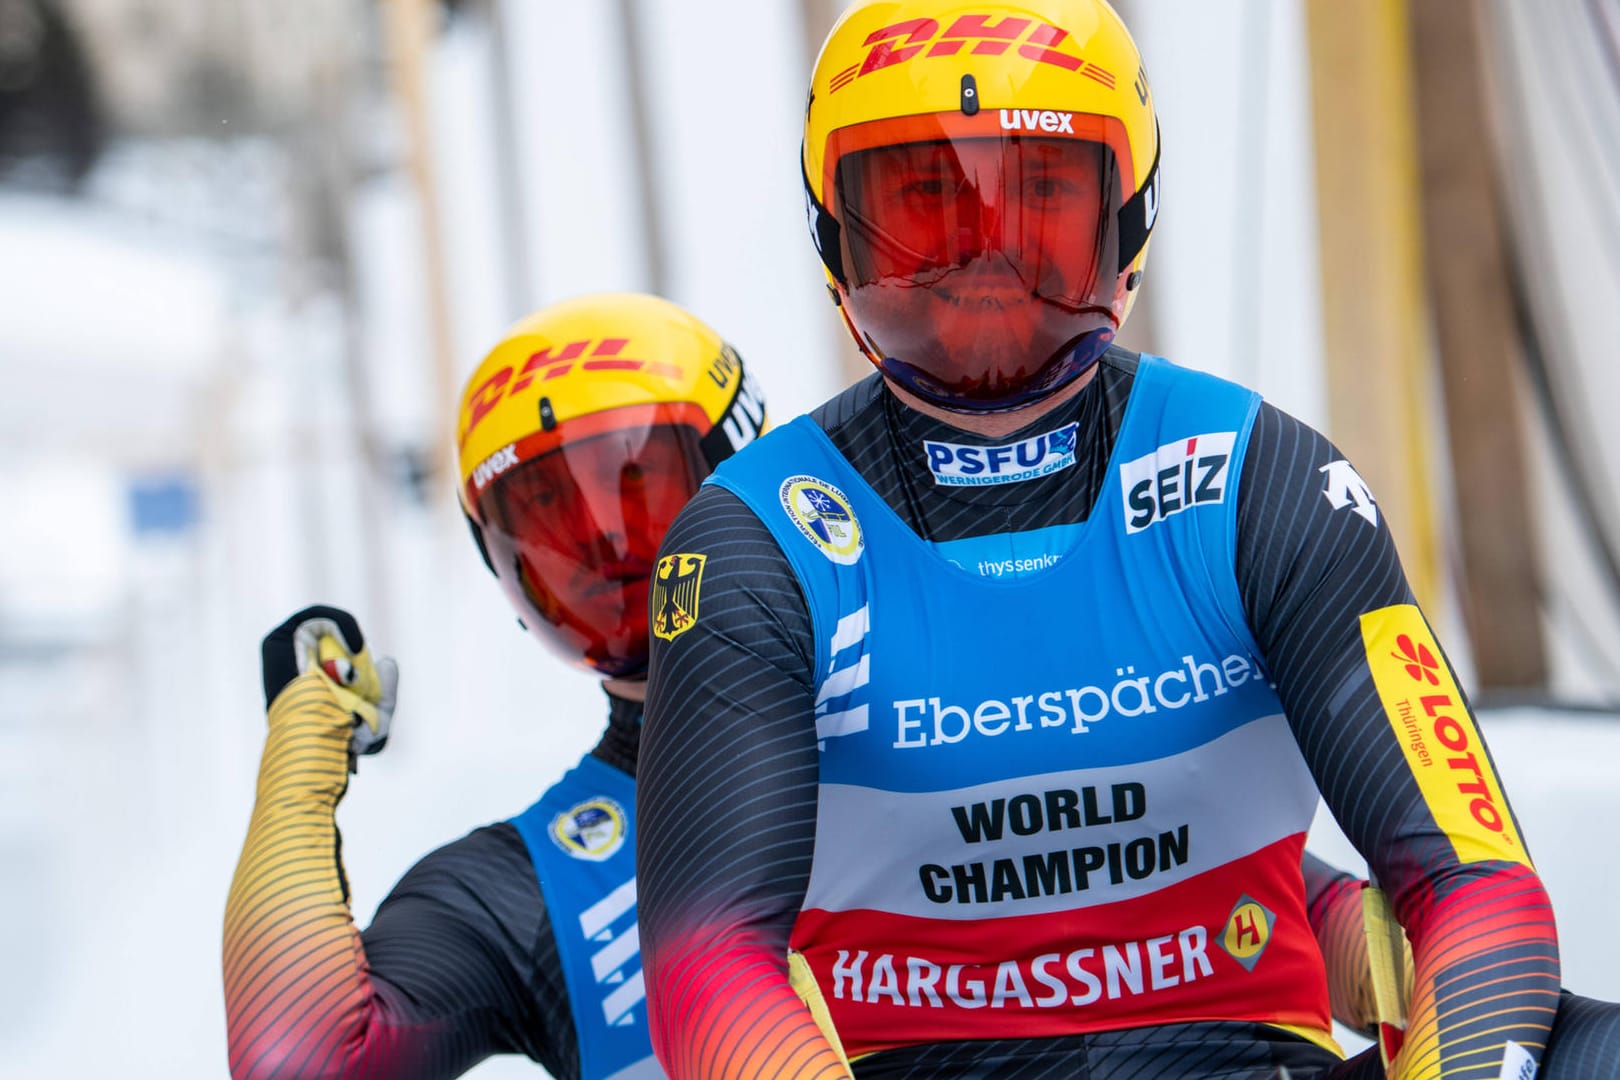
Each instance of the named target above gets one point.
<point>326,642</point>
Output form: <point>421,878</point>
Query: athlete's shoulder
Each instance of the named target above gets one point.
<point>715,523</point>
<point>1189,378</point>
<point>1287,455</point>
<point>1306,517</point>
<point>720,571</point>
<point>483,883</point>
<point>471,862</point>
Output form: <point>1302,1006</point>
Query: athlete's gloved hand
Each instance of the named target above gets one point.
<point>321,648</point>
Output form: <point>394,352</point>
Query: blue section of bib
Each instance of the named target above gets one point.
<point>1113,641</point>
<point>581,838</point>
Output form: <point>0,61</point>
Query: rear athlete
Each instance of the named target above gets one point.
<point>581,434</point>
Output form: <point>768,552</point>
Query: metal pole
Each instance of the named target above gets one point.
<point>1480,349</point>
<point>407,27</point>
<point>641,148</point>
<point>816,18</point>
<point>1381,406</point>
<point>520,296</point>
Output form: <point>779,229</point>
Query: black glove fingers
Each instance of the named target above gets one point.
<point>279,655</point>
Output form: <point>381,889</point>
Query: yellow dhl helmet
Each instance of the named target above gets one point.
<point>982,180</point>
<point>581,435</point>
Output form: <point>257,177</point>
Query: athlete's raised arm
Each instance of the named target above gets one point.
<point>433,988</point>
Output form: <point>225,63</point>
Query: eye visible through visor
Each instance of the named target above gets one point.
<point>981,270</point>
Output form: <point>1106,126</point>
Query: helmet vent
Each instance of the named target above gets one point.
<point>548,416</point>
<point>970,96</point>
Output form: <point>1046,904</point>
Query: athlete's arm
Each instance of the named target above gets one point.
<point>727,809</point>
<point>437,983</point>
<point>1333,615</point>
<point>1333,904</point>
<point>433,988</point>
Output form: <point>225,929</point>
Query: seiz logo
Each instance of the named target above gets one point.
<point>958,465</point>
<point>1177,476</point>
<point>587,355</point>
<point>1061,123</point>
<point>494,465</point>
<point>978,35</point>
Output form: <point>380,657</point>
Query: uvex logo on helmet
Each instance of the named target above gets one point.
<point>1060,123</point>
<point>607,355</point>
<point>975,35</point>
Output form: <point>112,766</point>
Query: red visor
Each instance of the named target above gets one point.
<point>981,271</point>
<point>573,536</point>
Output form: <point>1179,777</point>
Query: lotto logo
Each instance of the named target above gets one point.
<point>1442,745</point>
<point>977,35</point>
<point>1420,663</point>
<point>554,362</point>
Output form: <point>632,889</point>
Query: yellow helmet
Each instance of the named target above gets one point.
<point>581,435</point>
<point>982,180</point>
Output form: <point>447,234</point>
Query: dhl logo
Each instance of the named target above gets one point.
<point>903,41</point>
<point>554,363</point>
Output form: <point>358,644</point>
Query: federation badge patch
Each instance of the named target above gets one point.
<point>823,515</point>
<point>675,589</point>
<point>593,830</point>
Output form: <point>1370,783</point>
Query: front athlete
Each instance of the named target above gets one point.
<point>1020,665</point>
